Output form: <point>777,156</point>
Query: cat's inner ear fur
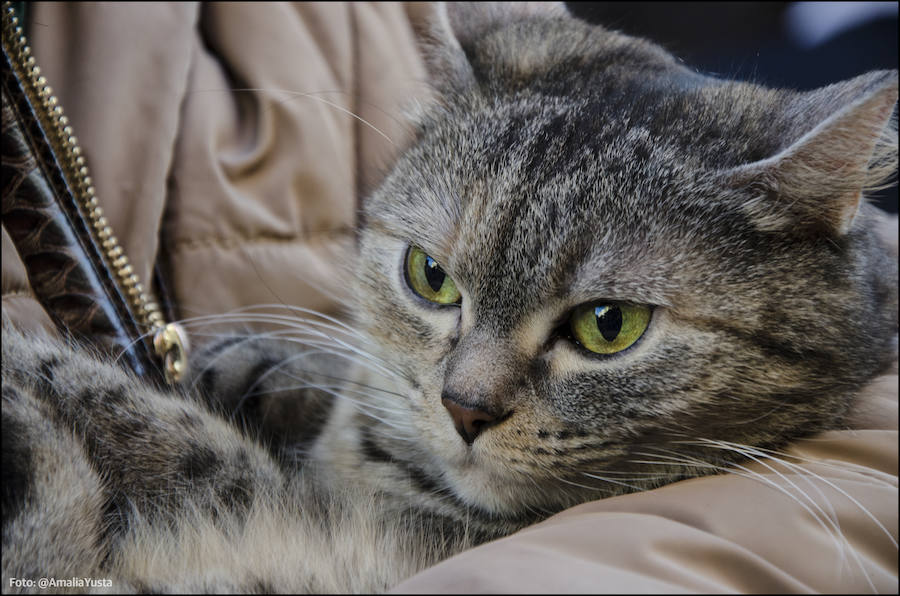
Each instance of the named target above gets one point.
<point>453,28</point>
<point>844,144</point>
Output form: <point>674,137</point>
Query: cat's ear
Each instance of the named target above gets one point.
<point>469,21</point>
<point>845,144</point>
<point>452,28</point>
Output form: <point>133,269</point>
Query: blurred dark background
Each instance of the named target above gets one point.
<point>798,45</point>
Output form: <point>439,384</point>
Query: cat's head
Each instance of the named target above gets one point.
<point>593,257</point>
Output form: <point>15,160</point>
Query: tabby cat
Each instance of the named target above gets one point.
<point>588,251</point>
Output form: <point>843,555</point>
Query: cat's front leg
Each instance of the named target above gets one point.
<point>149,459</point>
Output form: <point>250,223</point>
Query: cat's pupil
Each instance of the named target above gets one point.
<point>434,275</point>
<point>609,321</point>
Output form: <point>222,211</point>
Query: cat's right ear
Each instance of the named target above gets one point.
<point>841,141</point>
<point>450,30</point>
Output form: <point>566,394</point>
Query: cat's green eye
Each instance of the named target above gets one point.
<point>608,327</point>
<point>428,280</point>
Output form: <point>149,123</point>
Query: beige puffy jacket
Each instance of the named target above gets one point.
<point>228,146</point>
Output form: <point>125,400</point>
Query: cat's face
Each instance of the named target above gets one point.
<point>569,282</point>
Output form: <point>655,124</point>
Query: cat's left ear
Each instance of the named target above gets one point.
<point>452,29</point>
<point>468,21</point>
<point>846,143</point>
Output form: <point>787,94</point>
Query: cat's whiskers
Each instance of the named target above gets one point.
<point>297,331</point>
<point>337,322</point>
<point>757,455</point>
<point>883,478</point>
<point>620,482</point>
<point>378,362</point>
<point>377,392</point>
<point>683,461</point>
<point>303,384</point>
<point>572,495</point>
<point>830,515</point>
<point>307,325</point>
<point>380,390</point>
<point>828,523</point>
<point>339,348</point>
<point>356,357</point>
<point>307,383</point>
<point>622,472</point>
<point>629,475</point>
<point>364,407</point>
<point>538,511</point>
<point>331,350</point>
<point>312,95</point>
<point>777,407</point>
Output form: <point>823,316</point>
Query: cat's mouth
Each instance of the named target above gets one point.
<point>462,454</point>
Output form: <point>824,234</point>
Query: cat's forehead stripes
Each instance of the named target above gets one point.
<point>529,197</point>
<point>523,232</point>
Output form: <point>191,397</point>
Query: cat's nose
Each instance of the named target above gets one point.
<point>469,421</point>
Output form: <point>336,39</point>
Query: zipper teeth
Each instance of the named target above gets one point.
<point>169,341</point>
<point>67,149</point>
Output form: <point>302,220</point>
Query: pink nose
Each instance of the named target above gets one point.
<point>469,422</point>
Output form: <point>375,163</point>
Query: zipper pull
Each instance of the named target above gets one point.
<point>171,345</point>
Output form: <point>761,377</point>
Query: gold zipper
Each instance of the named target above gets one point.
<point>169,339</point>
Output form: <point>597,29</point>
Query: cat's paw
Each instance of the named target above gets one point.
<point>272,389</point>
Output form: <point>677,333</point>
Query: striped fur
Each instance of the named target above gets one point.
<point>556,164</point>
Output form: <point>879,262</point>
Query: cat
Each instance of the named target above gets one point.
<point>588,251</point>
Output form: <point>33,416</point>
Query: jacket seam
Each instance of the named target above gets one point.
<point>238,241</point>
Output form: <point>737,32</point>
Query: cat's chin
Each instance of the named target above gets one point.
<point>481,479</point>
<point>494,490</point>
